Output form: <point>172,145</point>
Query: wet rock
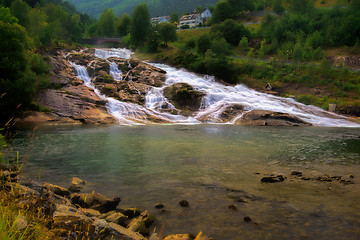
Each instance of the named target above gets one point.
<point>130,212</point>
<point>296,173</point>
<point>101,227</point>
<point>184,203</point>
<point>95,201</point>
<point>119,232</point>
<point>232,207</point>
<point>56,189</point>
<point>73,223</point>
<point>84,200</point>
<point>273,179</point>
<point>21,223</point>
<point>76,185</point>
<point>179,237</point>
<point>247,219</point>
<point>67,211</point>
<point>270,118</point>
<point>142,223</point>
<point>116,217</point>
<point>91,213</point>
<point>159,205</point>
<point>183,96</point>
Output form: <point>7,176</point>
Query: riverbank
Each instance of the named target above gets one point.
<point>66,213</point>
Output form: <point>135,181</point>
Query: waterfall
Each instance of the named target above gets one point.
<point>115,72</point>
<point>218,97</point>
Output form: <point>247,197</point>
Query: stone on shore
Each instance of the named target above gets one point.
<point>56,189</point>
<point>76,185</point>
<point>179,237</point>
<point>142,223</point>
<point>120,232</point>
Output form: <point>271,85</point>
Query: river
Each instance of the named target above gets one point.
<point>212,167</point>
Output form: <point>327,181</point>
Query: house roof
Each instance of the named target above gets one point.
<point>189,17</point>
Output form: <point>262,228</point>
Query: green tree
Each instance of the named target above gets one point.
<point>203,43</point>
<point>278,7</point>
<point>6,16</point>
<point>16,81</point>
<point>20,10</point>
<point>221,12</point>
<point>198,9</point>
<point>220,47</point>
<point>167,32</point>
<point>106,24</point>
<point>174,17</point>
<point>238,6</point>
<point>301,6</point>
<point>244,44</point>
<point>123,25</point>
<point>140,25</point>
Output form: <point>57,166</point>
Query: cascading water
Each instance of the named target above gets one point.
<point>218,98</point>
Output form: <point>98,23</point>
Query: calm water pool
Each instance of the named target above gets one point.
<point>212,167</point>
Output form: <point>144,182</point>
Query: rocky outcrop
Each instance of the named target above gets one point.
<point>79,215</point>
<point>184,97</point>
<point>69,101</point>
<point>270,118</point>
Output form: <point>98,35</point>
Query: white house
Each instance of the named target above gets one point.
<point>192,20</point>
<point>206,15</point>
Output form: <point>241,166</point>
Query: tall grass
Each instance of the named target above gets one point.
<point>9,221</point>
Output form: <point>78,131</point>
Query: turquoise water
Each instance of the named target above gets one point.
<point>212,167</point>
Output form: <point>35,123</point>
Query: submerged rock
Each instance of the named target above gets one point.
<point>184,203</point>
<point>270,118</point>
<point>273,179</point>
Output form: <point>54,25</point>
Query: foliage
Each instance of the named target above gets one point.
<point>174,17</point>
<point>221,12</point>
<point>140,25</point>
<point>230,30</point>
<point>122,25</point>
<point>203,44</point>
<point>278,7</point>
<point>167,32</point>
<point>106,24</point>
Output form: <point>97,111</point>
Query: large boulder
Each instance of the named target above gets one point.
<point>95,201</point>
<point>270,118</point>
<point>184,97</point>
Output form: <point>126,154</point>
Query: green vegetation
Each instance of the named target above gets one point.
<point>26,29</point>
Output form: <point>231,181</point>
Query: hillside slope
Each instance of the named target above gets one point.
<point>156,7</point>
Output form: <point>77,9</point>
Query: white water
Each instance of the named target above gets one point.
<point>218,98</point>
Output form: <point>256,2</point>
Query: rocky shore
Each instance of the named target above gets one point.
<point>71,214</point>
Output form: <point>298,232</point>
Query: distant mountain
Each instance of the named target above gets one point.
<point>156,7</point>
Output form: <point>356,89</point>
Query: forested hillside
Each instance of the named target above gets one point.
<point>156,7</point>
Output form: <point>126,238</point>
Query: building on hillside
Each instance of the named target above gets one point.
<point>161,19</point>
<point>192,20</point>
<point>206,15</point>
